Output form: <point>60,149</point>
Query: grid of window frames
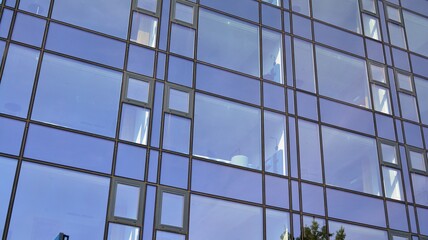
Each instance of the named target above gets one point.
<point>213,119</point>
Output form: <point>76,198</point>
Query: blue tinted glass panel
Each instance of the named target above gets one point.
<point>130,161</point>
<point>61,201</point>
<point>11,132</point>
<point>86,97</point>
<point>277,224</point>
<point>16,84</point>
<point>276,191</point>
<point>338,38</point>
<point>67,148</point>
<point>234,183</point>
<point>225,83</point>
<point>401,59</point>
<point>304,65</point>
<point>293,146</point>
<point>182,40</point>
<point>222,129</point>
<point>236,221</point>
<point>271,16</point>
<point>141,60</point>
<point>126,201</point>
<point>310,155</point>
<point>272,56</point>
<point>422,93</point>
<point>275,140</point>
<point>178,100</point>
<point>160,68</point>
<point>39,7</point>
<point>357,232</point>
<point>274,97</point>
<point>419,188</point>
<point>160,235</point>
<point>110,17</point>
<point>219,43</point>
<point>153,166</point>
<point>351,161</point>
<point>149,212</point>
<point>180,71</point>
<point>134,124</point>
<point>354,207</point>
<point>295,195</point>
<point>312,199</point>
<point>174,170</point>
<point>172,210</point>
<point>417,31</point>
<point>28,29</point>
<point>307,106</point>
<point>423,219</point>
<point>176,136</point>
<point>242,8</point>
<point>397,216</point>
<point>345,14</point>
<point>413,134</point>
<point>302,26</point>
<point>342,77</point>
<point>301,6</point>
<point>350,117</point>
<point>7,173</point>
<point>5,21</point>
<point>157,114</point>
<point>85,45</point>
<point>375,50</point>
<point>119,231</point>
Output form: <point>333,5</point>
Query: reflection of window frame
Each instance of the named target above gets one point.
<point>112,201</point>
<point>189,91</point>
<point>148,80</point>
<point>158,214</point>
<point>142,10</point>
<point>189,4</point>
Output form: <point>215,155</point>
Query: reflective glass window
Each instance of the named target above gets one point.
<point>422,219</point>
<point>342,77</point>
<point>7,173</point>
<point>271,16</point>
<point>236,220</point>
<point>172,209</point>
<point>6,19</point>
<point>126,201</point>
<point>301,6</point>
<point>312,199</point>
<point>29,29</point>
<point>417,160</point>
<point>39,7</point>
<point>120,231</point>
<point>351,161</point>
<point>68,148</point>
<point>243,8</point>
<point>138,90</point>
<point>389,153</point>
<point>371,27</point>
<point>397,216</point>
<point>176,136</point>
<point>404,81</point>
<point>178,100</point>
<point>130,161</point>
<point>275,140</point>
<point>369,5</point>
<point>276,191</point>
<point>417,31</point>
<point>220,42</point>
<point>174,170</point>
<point>61,201</point>
<point>86,97</point>
<point>161,235</point>
<point>396,35</point>
<point>274,96</point>
<point>11,132</point>
<point>180,71</point>
<point>274,2</point>
<point>184,12</point>
<point>343,13</point>
<point>381,98</point>
<point>310,155</point>
<point>272,56</point>
<point>377,73</point>
<point>134,124</point>
<point>277,224</point>
<point>141,60</point>
<point>222,129</point>
<point>422,94</point>
<point>17,81</point>
<point>408,107</point>
<point>357,232</point>
<point>110,17</point>
<point>392,183</point>
<point>182,40</point>
<point>304,65</point>
<point>393,13</point>
<point>144,29</point>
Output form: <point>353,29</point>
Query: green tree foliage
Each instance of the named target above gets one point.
<point>314,232</point>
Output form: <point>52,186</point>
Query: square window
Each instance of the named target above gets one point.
<point>171,210</point>
<point>417,160</point>
<point>144,29</point>
<point>389,153</point>
<point>148,5</point>
<point>377,73</point>
<point>404,81</point>
<point>369,5</point>
<point>138,90</point>
<point>393,13</point>
<point>184,13</point>
<point>178,100</point>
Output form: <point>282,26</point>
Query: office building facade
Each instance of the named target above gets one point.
<point>213,119</point>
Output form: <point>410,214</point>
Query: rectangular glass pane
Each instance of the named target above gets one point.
<point>345,14</point>
<point>179,100</point>
<point>127,201</point>
<point>119,231</point>
<point>182,40</point>
<point>389,153</point>
<point>11,132</point>
<point>309,149</point>
<point>392,183</point>
<point>176,135</point>
<point>272,56</point>
<point>304,65</point>
<point>275,141</point>
<point>371,27</point>
<point>417,160</point>
<point>183,13</point>
<point>7,173</point>
<point>138,90</point>
<point>420,183</point>
<point>134,124</point>
<point>381,98</point>
<point>172,210</point>
<point>28,29</point>
<point>144,29</point>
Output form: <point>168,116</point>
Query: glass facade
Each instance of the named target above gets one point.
<point>214,119</point>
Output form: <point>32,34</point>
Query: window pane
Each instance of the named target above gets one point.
<point>86,97</point>
<point>397,216</point>
<point>138,90</point>
<point>61,201</point>
<point>417,31</point>
<point>149,5</point>
<point>110,17</point>
<point>182,40</point>
<point>343,13</point>
<point>304,65</point>
<point>276,191</point>
<point>351,161</point>
<point>144,29</point>
<point>408,107</point>
<point>392,183</point>
<point>127,201</point>
<point>273,96</point>
<point>7,173</point>
<point>222,130</point>
<point>405,81</point>
<point>242,8</point>
<point>11,132</point>
<point>371,27</point>
<point>235,220</point>
<point>184,12</point>
<point>275,140</point>
<point>174,171</point>
<point>277,224</point>
<point>176,136</point>
<point>141,60</point>
<point>357,232</point>
<point>160,235</point>
<point>29,29</point>
<point>70,149</point>
<point>342,77</point>
<point>396,34</point>
<point>223,36</point>
<point>5,22</point>
<point>310,155</point>
<point>381,99</point>
<point>272,56</point>
<point>180,71</point>
<point>312,199</point>
<point>369,5</point>
<point>134,124</point>
<point>393,13</point>
<point>17,81</point>
<point>377,73</point>
<point>422,93</point>
<point>130,161</point>
<point>417,160</point>
<point>179,100</point>
<point>389,153</point>
<point>119,231</point>
<point>172,210</point>
<point>40,7</point>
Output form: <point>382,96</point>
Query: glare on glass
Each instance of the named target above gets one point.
<point>381,99</point>
<point>417,160</point>
<point>179,100</point>
<point>138,90</point>
<point>405,81</point>
<point>119,231</point>
<point>184,13</point>
<point>127,201</point>
<point>371,27</point>
<point>392,183</point>
<point>275,2</point>
<point>389,153</point>
<point>161,235</point>
<point>144,29</point>
<point>149,5</point>
<point>134,124</point>
<point>172,210</point>
<point>377,73</point>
